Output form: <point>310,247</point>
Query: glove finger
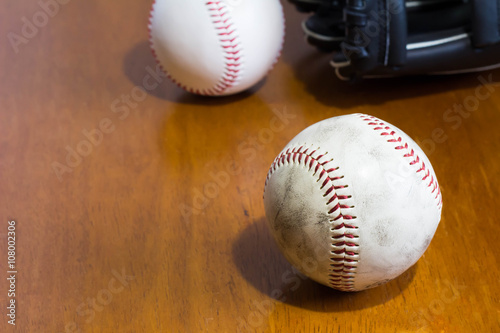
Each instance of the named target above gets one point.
<point>324,32</point>
<point>442,53</point>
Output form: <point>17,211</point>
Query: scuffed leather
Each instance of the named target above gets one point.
<point>392,213</point>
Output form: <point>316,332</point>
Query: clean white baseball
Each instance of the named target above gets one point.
<point>218,47</point>
<point>352,202</point>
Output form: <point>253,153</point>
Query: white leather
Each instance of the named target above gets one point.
<point>395,212</point>
<point>216,47</point>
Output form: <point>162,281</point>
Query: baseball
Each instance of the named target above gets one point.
<point>352,202</point>
<point>217,47</point>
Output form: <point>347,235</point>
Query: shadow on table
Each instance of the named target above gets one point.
<point>321,82</point>
<point>261,264</point>
<point>312,69</point>
<point>139,63</point>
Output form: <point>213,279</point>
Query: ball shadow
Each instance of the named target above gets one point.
<point>260,262</point>
<point>139,61</point>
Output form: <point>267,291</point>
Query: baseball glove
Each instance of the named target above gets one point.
<point>379,38</point>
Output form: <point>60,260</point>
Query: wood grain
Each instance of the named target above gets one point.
<point>161,227</point>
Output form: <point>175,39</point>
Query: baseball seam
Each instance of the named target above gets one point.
<point>229,42</point>
<point>344,254</point>
<point>392,136</point>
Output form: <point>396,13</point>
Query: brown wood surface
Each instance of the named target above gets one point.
<point>161,226</point>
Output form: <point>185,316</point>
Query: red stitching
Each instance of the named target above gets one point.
<point>379,125</point>
<point>229,44</point>
<point>344,235</point>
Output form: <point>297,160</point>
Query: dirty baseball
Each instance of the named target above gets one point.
<point>359,187</point>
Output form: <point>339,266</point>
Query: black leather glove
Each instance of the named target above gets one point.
<point>378,38</point>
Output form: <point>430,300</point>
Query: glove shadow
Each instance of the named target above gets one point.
<point>320,81</point>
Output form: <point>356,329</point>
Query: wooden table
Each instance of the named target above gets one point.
<point>157,224</point>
